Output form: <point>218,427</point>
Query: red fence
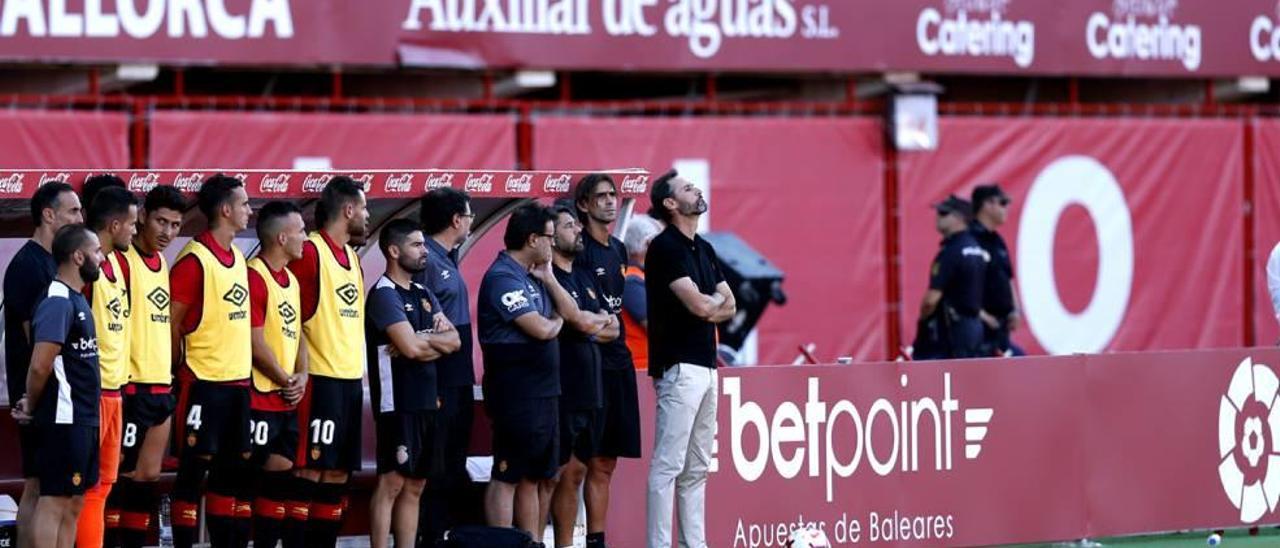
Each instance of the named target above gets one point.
<point>1151,233</point>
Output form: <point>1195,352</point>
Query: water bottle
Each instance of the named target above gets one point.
<point>165,523</point>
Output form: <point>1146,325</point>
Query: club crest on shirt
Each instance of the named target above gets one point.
<point>426,305</point>
<point>75,479</point>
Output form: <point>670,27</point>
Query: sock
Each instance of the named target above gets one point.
<point>595,540</point>
<point>247,482</point>
<point>185,508</point>
<point>299,493</point>
<point>326,515</point>
<point>90,526</point>
<point>269,508</point>
<point>220,505</point>
<point>135,519</point>
<point>114,512</point>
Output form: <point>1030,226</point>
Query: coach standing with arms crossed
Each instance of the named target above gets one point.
<point>687,297</point>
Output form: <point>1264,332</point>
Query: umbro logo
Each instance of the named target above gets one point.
<point>287,313</point>
<point>159,298</point>
<point>348,293</point>
<point>236,295</point>
<point>115,308</point>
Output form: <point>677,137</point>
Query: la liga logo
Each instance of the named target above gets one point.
<point>1248,426</point>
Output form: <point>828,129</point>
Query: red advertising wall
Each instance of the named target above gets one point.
<point>1136,241</point>
<point>35,139</point>
<point>184,140</point>
<point>1266,222</point>
<point>1179,38</point>
<point>806,193</point>
<point>1057,448</point>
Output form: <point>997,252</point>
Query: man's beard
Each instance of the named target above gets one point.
<point>412,268</point>
<point>89,272</point>
<point>696,208</point>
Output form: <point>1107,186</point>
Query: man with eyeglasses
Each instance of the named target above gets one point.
<point>999,313</point>
<point>518,327</point>
<point>949,310</point>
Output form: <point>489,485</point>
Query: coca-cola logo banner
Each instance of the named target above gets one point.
<point>1105,37</point>
<point>273,184</point>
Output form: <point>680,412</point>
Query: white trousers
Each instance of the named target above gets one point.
<point>686,429</point>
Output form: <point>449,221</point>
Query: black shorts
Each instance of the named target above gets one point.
<point>144,408</point>
<point>29,441</point>
<point>213,418</point>
<point>457,413</point>
<point>273,433</point>
<point>67,459</point>
<point>620,431</point>
<point>409,443</point>
<point>330,418</point>
<point>526,439</point>
<point>579,434</point>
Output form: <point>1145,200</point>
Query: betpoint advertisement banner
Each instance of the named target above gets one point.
<point>807,194</point>
<point>1125,234</point>
<point>1178,38</point>
<point>984,452</point>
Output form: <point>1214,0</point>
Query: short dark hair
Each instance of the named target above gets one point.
<point>661,191</point>
<point>438,208</point>
<point>586,185</point>
<point>526,220</point>
<point>271,217</point>
<point>395,233</point>
<point>46,197</point>
<point>340,191</point>
<point>563,205</point>
<point>164,197</point>
<point>109,204</point>
<point>215,192</point>
<point>68,240</point>
<point>94,185</point>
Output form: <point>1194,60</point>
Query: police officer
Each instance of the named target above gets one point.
<point>949,310</point>
<point>999,308</point>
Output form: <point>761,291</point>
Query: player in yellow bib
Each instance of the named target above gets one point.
<point>148,398</point>
<point>279,375</point>
<point>113,215</point>
<point>329,417</point>
<point>210,318</point>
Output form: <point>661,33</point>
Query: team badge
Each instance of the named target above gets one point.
<point>502,466</point>
<point>426,305</point>
<point>75,479</point>
<point>402,454</point>
<point>315,453</point>
<point>191,439</point>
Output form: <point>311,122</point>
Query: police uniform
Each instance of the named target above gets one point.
<point>275,307</point>
<point>148,398</point>
<point>959,271</point>
<point>521,374</point>
<point>581,392</point>
<point>621,414</point>
<point>329,416</point>
<point>213,403</point>
<point>403,390</point>
<point>997,291</point>
<point>67,414</point>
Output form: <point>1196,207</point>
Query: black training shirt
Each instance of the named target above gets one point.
<point>580,385</point>
<point>675,334</point>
